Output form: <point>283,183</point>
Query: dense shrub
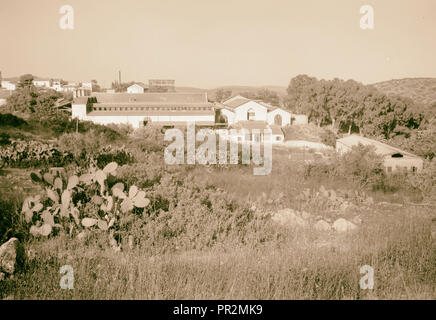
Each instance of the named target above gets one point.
<point>393,182</point>
<point>148,139</point>
<point>112,154</point>
<point>62,124</point>
<point>7,119</point>
<point>11,222</point>
<point>328,137</point>
<point>4,139</point>
<point>361,165</point>
<point>185,215</point>
<point>93,145</point>
<point>425,181</point>
<point>26,154</point>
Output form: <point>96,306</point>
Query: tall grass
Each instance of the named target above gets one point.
<point>299,265</point>
<point>200,238</point>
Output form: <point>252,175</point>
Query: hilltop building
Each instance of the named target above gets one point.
<point>160,85</point>
<point>394,159</point>
<point>9,85</point>
<point>41,83</point>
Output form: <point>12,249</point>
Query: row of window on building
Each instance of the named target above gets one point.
<point>96,108</point>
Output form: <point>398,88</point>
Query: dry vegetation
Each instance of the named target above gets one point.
<point>208,234</point>
<point>421,90</point>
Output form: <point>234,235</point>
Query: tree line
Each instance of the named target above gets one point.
<point>349,106</point>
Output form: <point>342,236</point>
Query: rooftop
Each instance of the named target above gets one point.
<point>234,103</point>
<point>163,98</point>
<point>142,85</point>
<point>380,147</point>
<point>239,100</point>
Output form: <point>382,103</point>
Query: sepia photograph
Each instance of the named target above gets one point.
<point>221,158</point>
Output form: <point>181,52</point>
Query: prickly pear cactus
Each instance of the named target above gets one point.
<point>80,203</point>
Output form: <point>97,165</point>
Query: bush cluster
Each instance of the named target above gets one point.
<point>30,154</point>
<point>9,120</point>
<point>361,166</point>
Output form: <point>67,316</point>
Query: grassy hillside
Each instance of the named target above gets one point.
<point>422,90</point>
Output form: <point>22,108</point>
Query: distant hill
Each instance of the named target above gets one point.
<point>422,90</point>
<point>281,91</point>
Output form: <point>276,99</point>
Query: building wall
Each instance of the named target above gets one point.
<point>398,164</point>
<point>137,121</point>
<point>395,164</point>
<point>79,111</point>
<point>286,117</point>
<point>8,85</point>
<point>277,138</point>
<point>41,83</point>
<point>259,110</point>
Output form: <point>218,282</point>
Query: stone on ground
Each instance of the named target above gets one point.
<point>343,225</point>
<point>11,256</point>
<point>289,217</point>
<point>322,225</point>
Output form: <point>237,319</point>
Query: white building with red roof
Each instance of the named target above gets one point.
<point>242,113</point>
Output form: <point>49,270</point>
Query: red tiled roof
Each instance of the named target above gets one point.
<point>237,102</point>
<point>142,85</point>
<point>380,147</point>
<point>266,105</point>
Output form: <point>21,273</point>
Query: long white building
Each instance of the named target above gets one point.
<point>147,108</point>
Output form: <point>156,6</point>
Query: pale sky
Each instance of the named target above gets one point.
<point>206,43</point>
